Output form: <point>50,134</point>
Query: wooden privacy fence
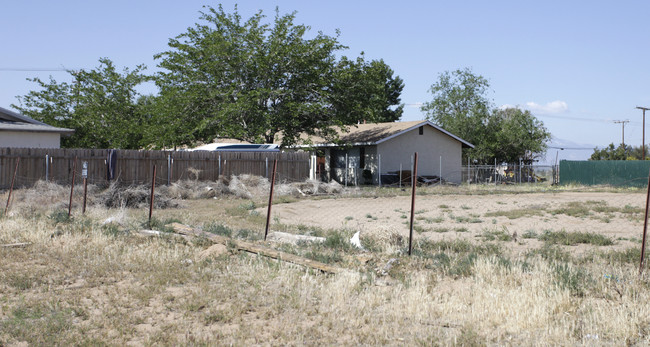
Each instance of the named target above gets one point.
<point>134,167</point>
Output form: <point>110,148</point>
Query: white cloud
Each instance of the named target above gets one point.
<point>553,107</point>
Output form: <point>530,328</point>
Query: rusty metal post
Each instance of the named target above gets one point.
<point>414,183</point>
<point>268,212</point>
<point>11,189</point>
<point>83,209</point>
<point>153,187</point>
<point>645,227</point>
<point>74,172</point>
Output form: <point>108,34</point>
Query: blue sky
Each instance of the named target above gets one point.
<point>577,65</point>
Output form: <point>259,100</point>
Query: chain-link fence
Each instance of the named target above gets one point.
<point>510,174</point>
<point>348,171</point>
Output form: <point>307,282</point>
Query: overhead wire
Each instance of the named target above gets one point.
<point>33,69</point>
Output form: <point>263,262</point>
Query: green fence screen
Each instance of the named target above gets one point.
<point>633,173</point>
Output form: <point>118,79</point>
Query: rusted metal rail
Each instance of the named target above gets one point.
<point>153,187</point>
<point>268,212</point>
<point>13,180</point>
<point>645,227</point>
<point>414,183</point>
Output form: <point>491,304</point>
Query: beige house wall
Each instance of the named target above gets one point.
<point>23,139</point>
<point>434,148</point>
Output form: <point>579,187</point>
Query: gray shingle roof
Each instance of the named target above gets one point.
<point>13,121</point>
<point>375,133</point>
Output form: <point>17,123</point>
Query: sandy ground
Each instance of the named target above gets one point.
<point>447,217</point>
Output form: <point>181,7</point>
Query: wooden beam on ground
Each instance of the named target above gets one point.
<point>16,245</point>
<point>254,248</point>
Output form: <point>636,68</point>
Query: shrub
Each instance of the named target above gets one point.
<point>573,238</point>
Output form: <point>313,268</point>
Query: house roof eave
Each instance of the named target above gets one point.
<point>426,122</point>
<point>330,145</point>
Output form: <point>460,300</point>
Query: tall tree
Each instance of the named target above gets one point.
<point>517,135</point>
<point>258,82</point>
<point>366,91</point>
<point>246,80</point>
<point>461,106</point>
<point>100,105</point>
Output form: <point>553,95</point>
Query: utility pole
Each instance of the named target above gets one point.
<point>643,143</point>
<point>622,122</point>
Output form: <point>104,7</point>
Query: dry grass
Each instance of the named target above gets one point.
<point>86,282</point>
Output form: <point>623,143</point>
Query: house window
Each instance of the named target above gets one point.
<point>362,157</point>
<point>421,130</point>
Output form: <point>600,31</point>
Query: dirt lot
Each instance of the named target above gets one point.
<point>618,216</point>
<point>544,266</point>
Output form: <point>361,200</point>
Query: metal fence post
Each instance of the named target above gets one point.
<point>153,187</point>
<point>268,212</point>
<point>47,167</point>
<point>414,183</point>
<point>347,167</point>
<point>13,179</point>
<point>84,175</point>
<point>400,175</point>
<point>379,168</point>
<point>645,227</point>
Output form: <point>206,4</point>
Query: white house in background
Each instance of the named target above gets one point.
<point>17,130</point>
<point>371,151</point>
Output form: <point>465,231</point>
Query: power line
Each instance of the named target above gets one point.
<point>572,148</point>
<point>32,69</point>
<point>575,118</point>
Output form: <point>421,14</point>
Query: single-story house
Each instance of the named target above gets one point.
<point>17,130</point>
<point>371,151</point>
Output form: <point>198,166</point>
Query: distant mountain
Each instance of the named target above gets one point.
<point>566,150</point>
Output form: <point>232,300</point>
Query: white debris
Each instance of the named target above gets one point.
<point>355,241</point>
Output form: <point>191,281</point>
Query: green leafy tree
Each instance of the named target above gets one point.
<point>245,79</point>
<point>366,91</point>
<point>100,105</point>
<point>258,82</point>
<point>620,152</point>
<point>460,105</point>
<point>517,135</point>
